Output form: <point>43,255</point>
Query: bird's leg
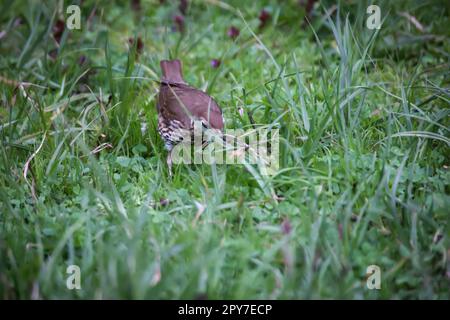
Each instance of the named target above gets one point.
<point>169,162</point>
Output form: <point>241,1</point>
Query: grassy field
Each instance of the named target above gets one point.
<point>364,151</point>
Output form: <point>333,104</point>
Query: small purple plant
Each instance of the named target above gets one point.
<point>139,45</point>
<point>264,17</point>
<point>286,227</point>
<point>82,60</point>
<point>58,30</point>
<point>136,5</point>
<point>183,6</point>
<point>215,63</point>
<point>179,22</point>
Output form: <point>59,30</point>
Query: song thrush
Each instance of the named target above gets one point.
<point>180,105</point>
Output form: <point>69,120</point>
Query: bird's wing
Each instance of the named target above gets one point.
<point>184,103</point>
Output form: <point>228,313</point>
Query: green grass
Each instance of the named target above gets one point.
<point>364,153</point>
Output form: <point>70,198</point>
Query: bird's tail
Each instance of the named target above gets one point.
<point>172,71</point>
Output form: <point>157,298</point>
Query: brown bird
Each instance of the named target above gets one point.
<point>179,105</point>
